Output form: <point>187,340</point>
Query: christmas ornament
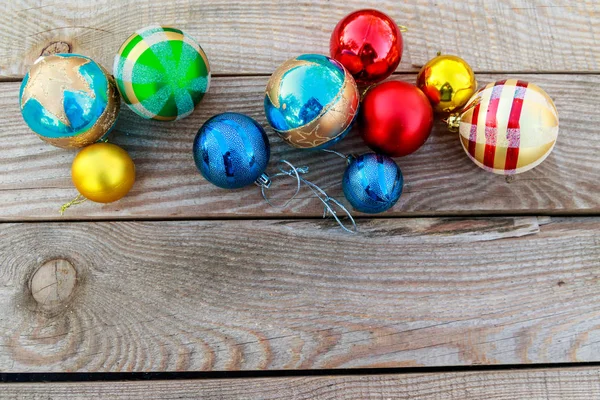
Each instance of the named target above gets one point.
<point>103,172</point>
<point>69,100</point>
<point>508,127</point>
<point>396,118</point>
<point>311,101</point>
<point>231,150</point>
<point>448,82</point>
<point>372,183</point>
<point>369,44</point>
<point>162,73</point>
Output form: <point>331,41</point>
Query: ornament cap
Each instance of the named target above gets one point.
<point>350,158</point>
<point>453,122</point>
<point>263,181</point>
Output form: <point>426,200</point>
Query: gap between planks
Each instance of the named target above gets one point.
<point>579,383</point>
<point>65,377</point>
<point>541,218</point>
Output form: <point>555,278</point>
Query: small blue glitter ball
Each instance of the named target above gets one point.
<point>231,150</point>
<point>372,183</point>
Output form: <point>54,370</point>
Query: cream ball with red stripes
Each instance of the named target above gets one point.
<point>507,127</point>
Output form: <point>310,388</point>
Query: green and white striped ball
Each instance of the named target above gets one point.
<point>162,73</point>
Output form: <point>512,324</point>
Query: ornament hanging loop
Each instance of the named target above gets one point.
<point>293,172</point>
<point>364,91</point>
<point>331,205</point>
<point>347,157</point>
<point>77,200</point>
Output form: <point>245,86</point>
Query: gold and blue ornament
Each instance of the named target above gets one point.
<point>69,100</point>
<point>162,73</point>
<point>311,101</point>
<point>232,150</point>
<point>372,183</point>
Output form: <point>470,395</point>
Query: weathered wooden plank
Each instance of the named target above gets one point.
<point>296,294</point>
<point>255,36</point>
<point>440,179</point>
<point>540,384</point>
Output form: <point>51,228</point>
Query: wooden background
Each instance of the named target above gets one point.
<point>468,269</point>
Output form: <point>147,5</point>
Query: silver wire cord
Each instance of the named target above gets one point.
<point>329,203</point>
<point>345,157</point>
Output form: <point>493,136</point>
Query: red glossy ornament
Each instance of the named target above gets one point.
<point>395,118</point>
<point>369,44</point>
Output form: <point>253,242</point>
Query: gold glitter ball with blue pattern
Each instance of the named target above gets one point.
<point>162,73</point>
<point>311,101</point>
<point>69,100</point>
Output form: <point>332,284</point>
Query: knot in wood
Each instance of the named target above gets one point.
<point>53,283</point>
<point>55,48</point>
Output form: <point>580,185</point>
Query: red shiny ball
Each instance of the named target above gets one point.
<point>369,44</point>
<point>395,118</point>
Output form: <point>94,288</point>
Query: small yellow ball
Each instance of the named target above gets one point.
<point>103,172</point>
<point>448,82</point>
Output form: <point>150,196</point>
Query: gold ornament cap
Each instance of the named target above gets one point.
<point>453,122</point>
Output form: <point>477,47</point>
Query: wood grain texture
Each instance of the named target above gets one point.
<point>542,384</point>
<point>439,178</point>
<point>294,294</point>
<point>242,37</point>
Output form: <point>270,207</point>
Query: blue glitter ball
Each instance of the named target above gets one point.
<point>231,150</point>
<point>311,101</point>
<point>372,183</point>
